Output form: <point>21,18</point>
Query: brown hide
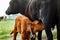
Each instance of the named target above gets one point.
<point>23,26</point>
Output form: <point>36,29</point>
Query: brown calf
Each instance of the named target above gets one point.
<point>23,26</point>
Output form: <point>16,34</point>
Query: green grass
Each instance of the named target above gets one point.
<point>54,34</point>
<point>5,29</point>
<point>3,37</point>
<point>7,26</point>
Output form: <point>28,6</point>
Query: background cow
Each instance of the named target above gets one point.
<point>3,18</point>
<point>25,26</point>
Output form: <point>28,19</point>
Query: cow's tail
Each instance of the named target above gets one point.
<point>11,33</point>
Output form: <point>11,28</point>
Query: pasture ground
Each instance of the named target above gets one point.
<point>7,26</point>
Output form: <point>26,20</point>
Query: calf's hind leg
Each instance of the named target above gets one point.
<point>15,34</point>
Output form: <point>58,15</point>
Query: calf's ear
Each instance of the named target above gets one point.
<point>35,22</point>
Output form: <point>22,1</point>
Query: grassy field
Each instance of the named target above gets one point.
<point>7,26</point>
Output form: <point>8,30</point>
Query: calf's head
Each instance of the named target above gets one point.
<point>37,26</point>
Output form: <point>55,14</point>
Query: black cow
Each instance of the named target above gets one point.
<point>19,6</point>
<point>50,16</point>
<point>49,13</point>
<point>1,18</point>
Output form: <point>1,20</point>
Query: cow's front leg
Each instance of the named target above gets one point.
<point>39,35</point>
<point>48,33</point>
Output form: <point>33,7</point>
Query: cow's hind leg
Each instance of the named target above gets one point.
<point>58,32</point>
<point>58,28</point>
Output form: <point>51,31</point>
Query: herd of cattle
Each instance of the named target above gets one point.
<point>44,11</point>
